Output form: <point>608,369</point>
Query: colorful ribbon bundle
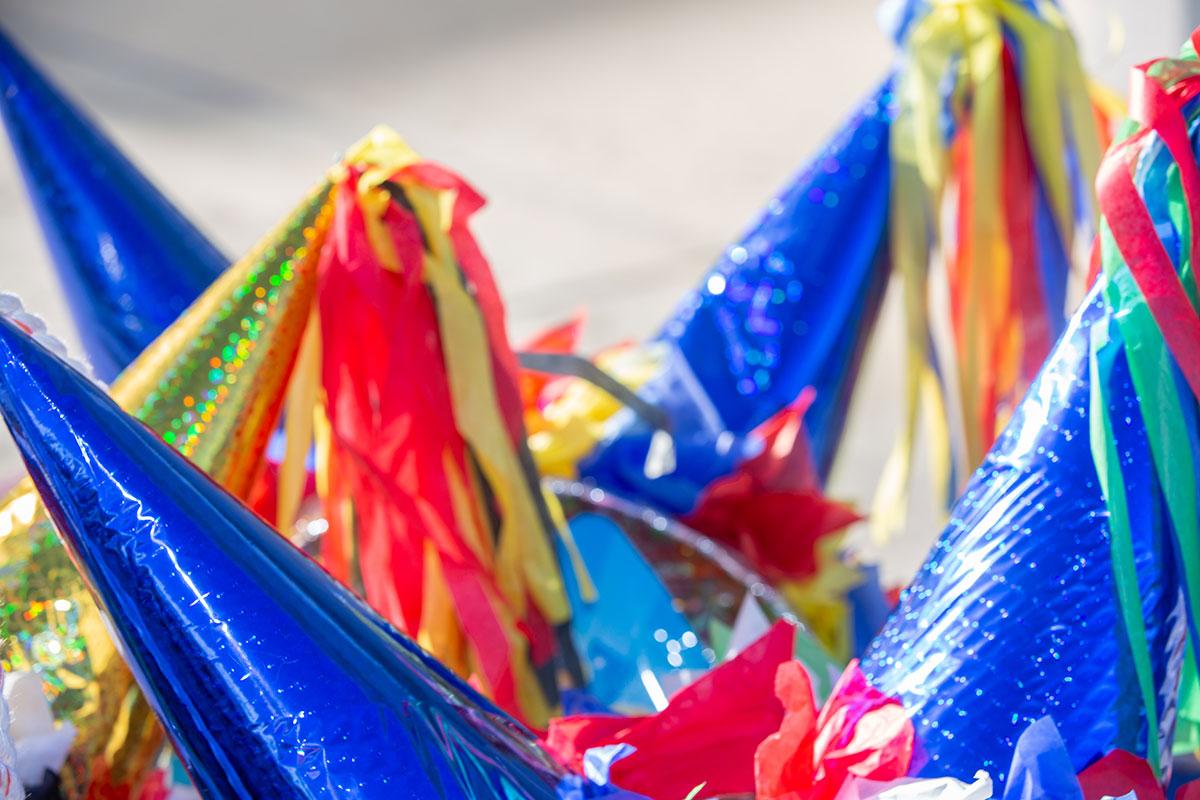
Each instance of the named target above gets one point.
<point>993,148</point>
<point>434,509</point>
<point>1149,190</point>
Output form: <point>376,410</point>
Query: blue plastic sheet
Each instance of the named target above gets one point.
<point>271,679</point>
<point>1041,768</point>
<point>631,637</point>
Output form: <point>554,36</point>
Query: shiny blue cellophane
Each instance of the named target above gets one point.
<point>1014,616</point>
<point>129,260</point>
<point>790,305</point>
<point>624,636</point>
<point>272,680</point>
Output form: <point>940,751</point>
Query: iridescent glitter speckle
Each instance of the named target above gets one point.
<point>222,356</point>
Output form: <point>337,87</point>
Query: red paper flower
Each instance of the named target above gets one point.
<point>771,508</point>
<point>1117,774</point>
<point>707,734</point>
<point>860,732</point>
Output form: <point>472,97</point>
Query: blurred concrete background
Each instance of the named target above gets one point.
<point>620,143</point>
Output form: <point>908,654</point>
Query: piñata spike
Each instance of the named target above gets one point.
<point>1016,615</point>
<point>1069,579</point>
<point>788,306</point>
<point>131,261</point>
<point>212,387</point>
<point>787,309</point>
<point>979,206</point>
<point>272,679</point>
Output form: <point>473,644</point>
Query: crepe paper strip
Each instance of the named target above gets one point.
<point>1013,163</point>
<point>1094,263</point>
<point>1156,301</point>
<point>1117,774</point>
<point>708,732</point>
<point>1170,439</point>
<point>388,512</point>
<point>1135,236</point>
<point>1158,109</point>
<point>859,733</point>
<point>432,498</point>
<point>1018,199</point>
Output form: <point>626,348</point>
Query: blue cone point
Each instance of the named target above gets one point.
<point>788,305</point>
<point>271,679</point>
<point>129,260</point>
